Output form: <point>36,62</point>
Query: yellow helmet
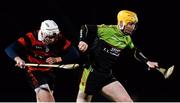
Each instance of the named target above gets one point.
<point>127,16</point>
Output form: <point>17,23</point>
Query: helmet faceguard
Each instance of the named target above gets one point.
<point>126,17</point>
<point>48,28</point>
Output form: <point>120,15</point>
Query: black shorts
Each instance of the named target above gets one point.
<point>37,78</point>
<point>93,81</point>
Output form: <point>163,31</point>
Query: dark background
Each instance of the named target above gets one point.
<point>156,37</point>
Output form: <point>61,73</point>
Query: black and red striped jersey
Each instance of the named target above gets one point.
<point>34,51</point>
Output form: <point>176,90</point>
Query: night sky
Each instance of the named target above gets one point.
<point>156,37</point>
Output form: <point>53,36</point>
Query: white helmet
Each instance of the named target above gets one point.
<point>48,28</point>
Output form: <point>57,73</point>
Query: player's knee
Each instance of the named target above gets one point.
<point>83,97</point>
<point>80,97</point>
<point>124,99</point>
<point>43,87</point>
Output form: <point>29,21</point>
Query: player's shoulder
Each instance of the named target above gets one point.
<point>106,26</point>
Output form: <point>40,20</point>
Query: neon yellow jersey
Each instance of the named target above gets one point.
<point>112,35</point>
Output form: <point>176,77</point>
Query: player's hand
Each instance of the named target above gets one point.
<point>52,60</point>
<point>82,46</point>
<point>19,62</point>
<point>152,65</point>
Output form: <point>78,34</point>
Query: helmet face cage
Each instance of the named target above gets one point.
<point>50,33</point>
<point>129,28</point>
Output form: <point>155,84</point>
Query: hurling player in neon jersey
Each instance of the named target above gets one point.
<point>104,44</point>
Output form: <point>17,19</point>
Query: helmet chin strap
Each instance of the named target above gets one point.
<point>121,25</point>
<point>40,36</point>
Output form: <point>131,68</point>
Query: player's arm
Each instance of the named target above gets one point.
<point>141,57</point>
<point>17,49</point>
<point>71,56</point>
<point>88,35</point>
<point>12,50</point>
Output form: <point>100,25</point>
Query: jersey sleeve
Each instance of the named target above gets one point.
<point>71,55</point>
<point>17,47</point>
<point>88,33</point>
